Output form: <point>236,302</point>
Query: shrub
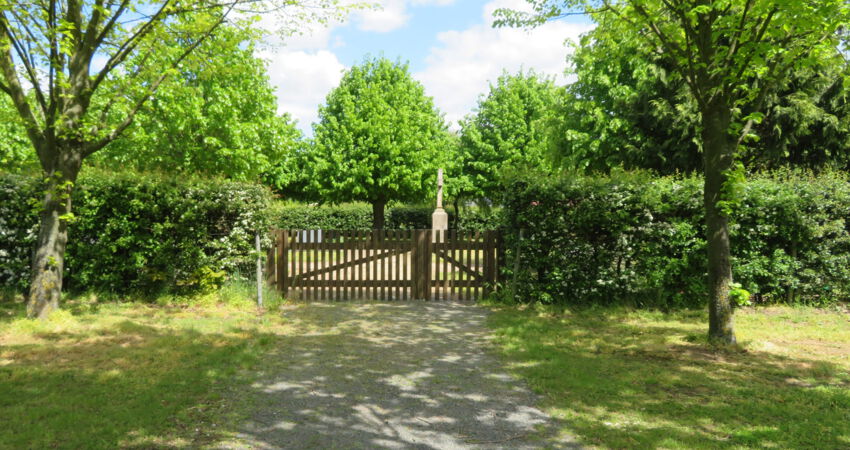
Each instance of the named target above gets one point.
<point>354,216</point>
<point>633,239</point>
<point>358,216</point>
<point>411,217</point>
<point>138,233</point>
<point>478,219</point>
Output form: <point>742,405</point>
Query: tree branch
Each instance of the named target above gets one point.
<point>19,99</point>
<point>89,149</point>
<point>24,56</point>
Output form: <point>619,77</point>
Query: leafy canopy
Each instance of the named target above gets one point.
<point>379,137</point>
<point>508,131</point>
<point>629,108</point>
<point>735,52</point>
<point>215,116</point>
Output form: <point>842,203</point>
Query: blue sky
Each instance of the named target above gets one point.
<point>412,41</point>
<point>450,45</point>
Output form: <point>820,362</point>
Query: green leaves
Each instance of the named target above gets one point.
<point>138,233</point>
<point>507,132</point>
<point>379,137</point>
<point>217,115</point>
<point>638,240</point>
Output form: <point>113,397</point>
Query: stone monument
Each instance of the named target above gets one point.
<point>440,219</point>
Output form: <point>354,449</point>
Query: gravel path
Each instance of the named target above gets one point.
<point>400,375</point>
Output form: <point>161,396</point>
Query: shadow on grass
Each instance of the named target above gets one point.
<point>129,384</point>
<point>625,383</point>
<point>404,375</point>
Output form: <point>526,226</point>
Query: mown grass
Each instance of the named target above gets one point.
<point>108,375</point>
<point>626,379</point>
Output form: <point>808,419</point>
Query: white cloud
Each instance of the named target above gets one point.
<point>456,72</point>
<point>391,14</point>
<point>463,63</point>
<point>303,79</point>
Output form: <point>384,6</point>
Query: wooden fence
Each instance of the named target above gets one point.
<point>384,264</point>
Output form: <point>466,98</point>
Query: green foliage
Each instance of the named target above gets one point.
<point>379,137</point>
<point>738,295</point>
<point>15,149</point>
<point>216,115</point>
<point>508,131</point>
<point>358,216</point>
<point>412,217</point>
<point>633,239</point>
<point>134,233</point>
<point>629,108</point>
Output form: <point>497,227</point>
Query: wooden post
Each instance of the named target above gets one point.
<point>271,264</point>
<point>488,262</point>
<point>500,255</point>
<point>282,260</point>
<point>259,269</point>
<point>422,265</point>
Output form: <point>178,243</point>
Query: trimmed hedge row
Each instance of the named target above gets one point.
<point>633,239</point>
<point>138,233</point>
<point>358,216</point>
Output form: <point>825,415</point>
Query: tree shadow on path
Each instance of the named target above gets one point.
<point>404,375</point>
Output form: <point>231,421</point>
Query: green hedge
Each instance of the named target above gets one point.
<point>358,216</point>
<point>304,217</point>
<point>134,233</point>
<point>633,239</point>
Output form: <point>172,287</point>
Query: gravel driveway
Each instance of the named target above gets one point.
<point>399,375</point>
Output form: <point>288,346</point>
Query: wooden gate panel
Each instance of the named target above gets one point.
<point>383,265</point>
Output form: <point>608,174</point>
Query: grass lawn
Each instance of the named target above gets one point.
<point>107,375</point>
<point>625,379</point>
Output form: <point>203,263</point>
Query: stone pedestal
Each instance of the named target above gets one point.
<point>439,223</point>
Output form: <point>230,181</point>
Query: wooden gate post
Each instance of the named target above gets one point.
<point>271,265</point>
<point>282,260</point>
<point>421,262</point>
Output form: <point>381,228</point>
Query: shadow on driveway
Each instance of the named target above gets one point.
<point>401,375</point>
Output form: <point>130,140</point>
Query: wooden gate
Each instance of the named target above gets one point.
<point>384,264</point>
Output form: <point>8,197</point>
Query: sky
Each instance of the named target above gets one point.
<point>450,45</point>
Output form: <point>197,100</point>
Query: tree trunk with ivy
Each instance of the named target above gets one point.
<point>49,254</point>
<point>719,149</point>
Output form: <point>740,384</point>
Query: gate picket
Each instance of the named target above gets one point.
<point>337,265</point>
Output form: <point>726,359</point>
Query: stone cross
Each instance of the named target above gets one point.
<point>439,188</point>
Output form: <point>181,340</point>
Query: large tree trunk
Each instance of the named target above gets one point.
<point>49,255</point>
<point>719,152</point>
<point>378,214</point>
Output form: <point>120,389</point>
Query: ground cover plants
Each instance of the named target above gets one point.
<point>620,378</point>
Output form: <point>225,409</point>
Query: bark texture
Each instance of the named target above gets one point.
<point>719,149</point>
<point>48,260</point>
<point>378,207</point>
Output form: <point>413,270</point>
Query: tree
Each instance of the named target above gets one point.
<point>731,54</point>
<point>15,153</point>
<point>217,115</point>
<point>65,64</point>
<point>379,138</point>
<point>627,109</point>
<point>508,131</point>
